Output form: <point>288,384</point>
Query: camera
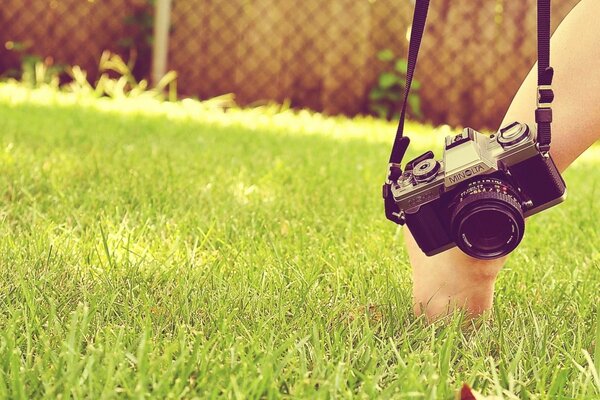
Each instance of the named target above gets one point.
<point>478,195</point>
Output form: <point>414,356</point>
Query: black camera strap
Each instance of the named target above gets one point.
<point>543,112</point>
<point>401,142</point>
<point>545,95</point>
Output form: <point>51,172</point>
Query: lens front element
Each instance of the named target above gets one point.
<point>487,220</point>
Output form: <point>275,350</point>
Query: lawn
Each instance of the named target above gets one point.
<point>177,251</point>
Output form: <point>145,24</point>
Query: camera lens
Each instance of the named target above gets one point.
<point>487,219</point>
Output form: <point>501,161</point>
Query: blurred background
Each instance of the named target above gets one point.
<point>333,56</point>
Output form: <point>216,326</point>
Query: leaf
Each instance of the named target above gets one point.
<point>376,94</point>
<point>416,85</point>
<point>129,20</point>
<point>17,46</point>
<point>414,103</point>
<point>393,96</point>
<point>401,66</point>
<point>385,55</point>
<point>125,42</point>
<point>380,110</point>
<point>466,393</point>
<point>387,80</point>
<point>597,347</point>
<point>559,382</point>
<point>166,80</point>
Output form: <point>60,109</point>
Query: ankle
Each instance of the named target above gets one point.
<point>436,295</point>
<point>474,302</point>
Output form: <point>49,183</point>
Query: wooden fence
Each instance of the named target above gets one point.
<point>319,54</point>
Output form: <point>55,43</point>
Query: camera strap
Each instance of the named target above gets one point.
<point>401,142</point>
<point>416,34</point>
<point>545,95</point>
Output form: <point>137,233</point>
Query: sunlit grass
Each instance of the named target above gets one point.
<point>179,250</point>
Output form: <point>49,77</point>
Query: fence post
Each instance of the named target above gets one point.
<point>160,49</point>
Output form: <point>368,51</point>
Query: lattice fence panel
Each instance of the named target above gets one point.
<point>319,54</point>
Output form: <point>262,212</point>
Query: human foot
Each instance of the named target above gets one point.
<point>451,280</point>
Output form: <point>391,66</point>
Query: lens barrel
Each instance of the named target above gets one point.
<point>487,219</point>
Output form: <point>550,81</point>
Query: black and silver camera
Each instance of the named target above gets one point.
<point>478,195</point>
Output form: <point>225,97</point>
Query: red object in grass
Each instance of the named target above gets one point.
<point>466,393</point>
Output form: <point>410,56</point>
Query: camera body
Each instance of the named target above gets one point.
<point>478,195</point>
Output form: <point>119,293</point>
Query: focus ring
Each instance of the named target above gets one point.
<point>491,195</point>
<point>487,220</point>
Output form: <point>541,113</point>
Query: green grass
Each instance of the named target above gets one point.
<point>176,251</point>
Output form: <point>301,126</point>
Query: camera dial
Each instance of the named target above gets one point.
<point>487,219</point>
<point>513,134</point>
<point>426,170</point>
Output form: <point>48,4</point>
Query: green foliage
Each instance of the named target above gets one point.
<point>37,72</point>
<point>142,24</point>
<point>116,78</point>
<point>138,42</point>
<point>386,97</point>
<point>34,71</point>
<point>177,250</point>
<point>125,85</point>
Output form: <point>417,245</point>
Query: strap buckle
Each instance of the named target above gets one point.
<point>545,96</point>
<point>544,149</point>
<point>394,172</point>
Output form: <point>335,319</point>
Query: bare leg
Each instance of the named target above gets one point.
<point>453,279</point>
